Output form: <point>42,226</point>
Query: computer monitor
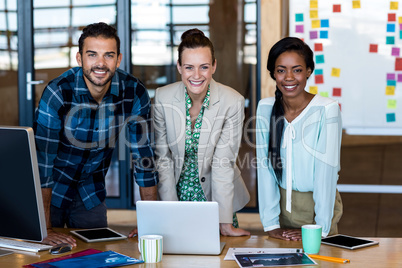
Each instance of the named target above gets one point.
<point>21,207</point>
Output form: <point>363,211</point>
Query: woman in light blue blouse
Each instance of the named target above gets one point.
<point>298,148</point>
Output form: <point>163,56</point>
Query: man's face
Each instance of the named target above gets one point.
<point>99,61</point>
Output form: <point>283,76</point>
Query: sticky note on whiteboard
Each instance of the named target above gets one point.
<point>391,17</point>
<point>315,24</point>
<point>390,76</point>
<point>391,104</point>
<point>373,48</point>
<point>398,64</point>
<point>319,59</point>
<point>299,28</point>
<point>393,5</point>
<point>336,72</point>
<point>390,90</point>
<point>337,92</point>
<point>313,89</point>
<point>313,14</point>
<point>391,117</point>
<point>356,4</point>
<point>313,4</point>
<point>318,47</point>
<point>299,17</point>
<point>336,8</point>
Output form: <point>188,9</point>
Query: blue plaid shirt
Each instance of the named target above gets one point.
<point>75,136</point>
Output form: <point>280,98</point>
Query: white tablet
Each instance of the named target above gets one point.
<point>348,242</point>
<point>98,235</point>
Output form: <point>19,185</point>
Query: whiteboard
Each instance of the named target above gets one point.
<point>367,84</point>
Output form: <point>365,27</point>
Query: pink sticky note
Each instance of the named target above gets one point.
<point>399,77</point>
<point>395,51</point>
<point>390,76</point>
<point>299,28</point>
<point>313,35</point>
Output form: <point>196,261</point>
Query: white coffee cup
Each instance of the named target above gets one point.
<point>151,248</point>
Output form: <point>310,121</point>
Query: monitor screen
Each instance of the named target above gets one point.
<point>21,205</point>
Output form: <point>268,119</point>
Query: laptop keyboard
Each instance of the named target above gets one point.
<point>21,245</point>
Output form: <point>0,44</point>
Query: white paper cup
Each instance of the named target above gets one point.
<point>151,248</point>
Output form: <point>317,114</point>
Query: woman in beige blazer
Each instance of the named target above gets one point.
<point>198,127</point>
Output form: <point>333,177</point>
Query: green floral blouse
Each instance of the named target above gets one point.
<point>189,186</point>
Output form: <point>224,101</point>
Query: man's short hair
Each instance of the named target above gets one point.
<point>99,29</point>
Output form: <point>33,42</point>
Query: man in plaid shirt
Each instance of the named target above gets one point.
<point>76,127</point>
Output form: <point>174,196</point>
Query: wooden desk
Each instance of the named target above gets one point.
<point>387,254</point>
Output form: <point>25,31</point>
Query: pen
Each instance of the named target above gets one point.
<point>326,258</point>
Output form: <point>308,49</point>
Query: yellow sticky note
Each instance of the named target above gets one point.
<point>313,14</point>
<point>391,104</point>
<point>356,4</point>
<point>399,20</point>
<point>324,94</point>
<point>314,4</point>
<point>390,90</point>
<point>336,72</point>
<point>393,5</point>
<point>315,24</point>
<point>313,89</point>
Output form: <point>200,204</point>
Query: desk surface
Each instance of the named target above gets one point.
<point>387,254</point>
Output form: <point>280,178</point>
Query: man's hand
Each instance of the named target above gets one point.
<point>149,193</point>
<point>54,238</point>
<point>133,233</point>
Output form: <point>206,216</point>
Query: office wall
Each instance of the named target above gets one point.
<point>8,98</point>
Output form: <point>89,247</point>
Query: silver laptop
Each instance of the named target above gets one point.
<point>186,227</point>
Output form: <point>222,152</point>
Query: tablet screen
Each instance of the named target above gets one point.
<point>348,241</point>
<point>99,234</point>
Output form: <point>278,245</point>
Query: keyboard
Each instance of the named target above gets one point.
<point>21,245</point>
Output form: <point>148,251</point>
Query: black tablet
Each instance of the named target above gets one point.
<point>348,242</point>
<point>98,234</point>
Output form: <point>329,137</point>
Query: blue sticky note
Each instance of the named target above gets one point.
<point>325,23</point>
<point>299,17</point>
<point>324,34</point>
<point>390,40</point>
<point>391,117</point>
<point>400,34</point>
<point>391,83</point>
<point>319,72</point>
<point>319,59</point>
<point>390,28</point>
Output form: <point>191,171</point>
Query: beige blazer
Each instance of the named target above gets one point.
<point>221,131</point>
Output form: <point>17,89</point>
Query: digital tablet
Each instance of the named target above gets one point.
<point>98,235</point>
<point>348,242</point>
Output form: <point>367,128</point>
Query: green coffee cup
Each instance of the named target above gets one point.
<point>311,238</point>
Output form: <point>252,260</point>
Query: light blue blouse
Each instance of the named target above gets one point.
<point>310,153</point>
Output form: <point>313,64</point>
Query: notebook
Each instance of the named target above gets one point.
<point>186,227</point>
